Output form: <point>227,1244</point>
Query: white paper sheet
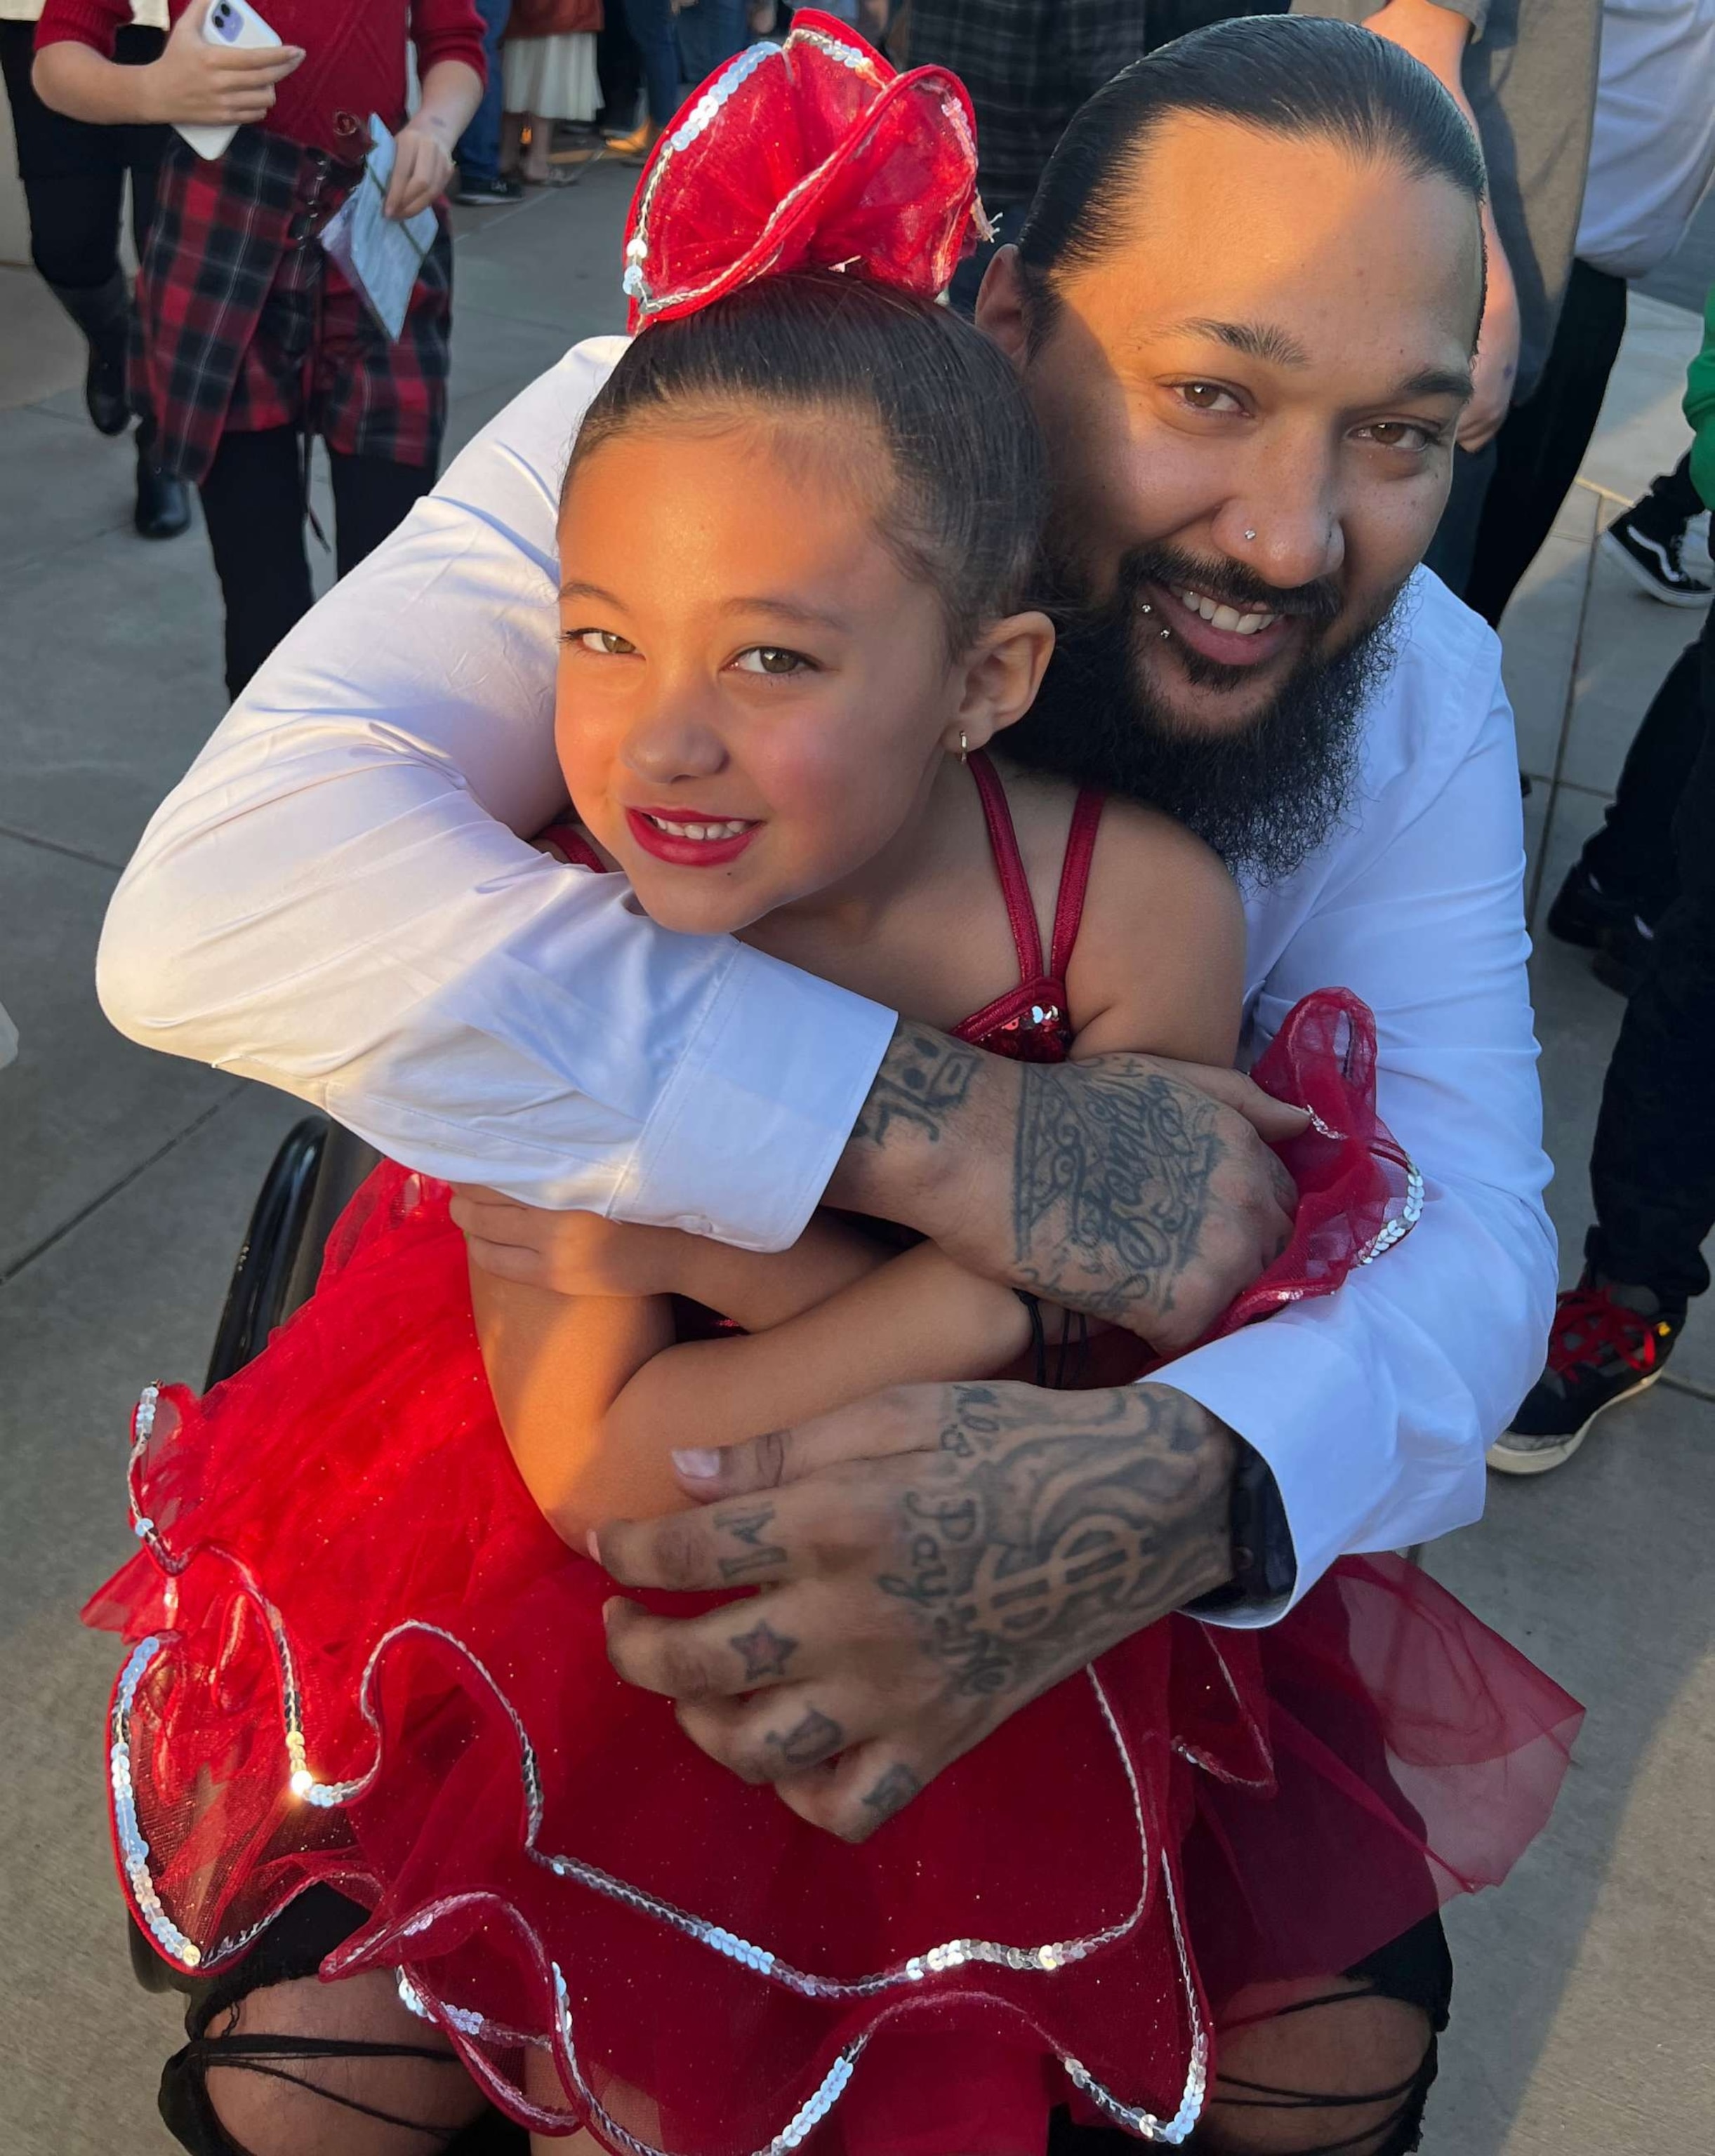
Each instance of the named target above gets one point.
<point>380,255</point>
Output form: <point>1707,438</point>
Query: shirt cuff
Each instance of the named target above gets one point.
<point>759,1107</point>
<point>79,23</point>
<point>1240,1380</point>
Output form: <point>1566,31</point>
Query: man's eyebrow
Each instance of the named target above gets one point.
<point>574,588</point>
<point>1437,381</point>
<point>1263,341</point>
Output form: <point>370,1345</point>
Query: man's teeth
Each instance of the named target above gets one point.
<point>1223,617</point>
<point>730,830</point>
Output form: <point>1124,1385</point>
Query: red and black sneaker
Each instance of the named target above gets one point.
<point>1608,1341</point>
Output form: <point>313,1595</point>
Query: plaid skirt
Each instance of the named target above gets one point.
<point>244,323</point>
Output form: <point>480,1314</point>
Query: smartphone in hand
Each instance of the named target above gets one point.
<point>236,25</point>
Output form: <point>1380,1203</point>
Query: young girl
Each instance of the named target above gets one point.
<point>368,1688</point>
<point>252,342</point>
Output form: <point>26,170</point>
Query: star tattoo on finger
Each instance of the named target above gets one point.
<point>766,1651</point>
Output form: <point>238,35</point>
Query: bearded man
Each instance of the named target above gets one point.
<point>1244,306</point>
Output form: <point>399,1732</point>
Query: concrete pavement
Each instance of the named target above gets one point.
<point>1586,1987</point>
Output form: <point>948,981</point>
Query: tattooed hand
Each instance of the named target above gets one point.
<point>1134,1189</point>
<point>934,1557</point>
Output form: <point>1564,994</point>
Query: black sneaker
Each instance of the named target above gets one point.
<point>1608,1342</point>
<point>1584,914</point>
<point>1648,549</point>
<point>488,194</point>
<point>1625,957</point>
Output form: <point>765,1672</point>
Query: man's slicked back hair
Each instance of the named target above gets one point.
<point>1301,77</point>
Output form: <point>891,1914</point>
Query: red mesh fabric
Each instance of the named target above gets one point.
<point>811,154</point>
<point>348,1503</point>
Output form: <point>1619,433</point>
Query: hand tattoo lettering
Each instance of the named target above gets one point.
<point>892,1793</point>
<point>762,1555</point>
<point>924,1077</point>
<point>1075,1519</point>
<point>766,1651</point>
<point>817,1737</point>
<point>1110,1177</point>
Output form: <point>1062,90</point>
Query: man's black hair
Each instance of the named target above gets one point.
<point>1307,79</point>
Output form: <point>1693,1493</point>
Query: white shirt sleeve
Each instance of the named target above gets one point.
<point>333,901</point>
<point>1374,1406</point>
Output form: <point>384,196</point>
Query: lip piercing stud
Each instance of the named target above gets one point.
<point>1146,608</point>
<point>1165,634</point>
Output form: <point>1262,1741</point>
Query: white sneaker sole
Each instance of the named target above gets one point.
<point>1541,1458</point>
<point>1644,581</point>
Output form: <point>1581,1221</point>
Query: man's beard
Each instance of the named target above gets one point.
<point>1265,793</point>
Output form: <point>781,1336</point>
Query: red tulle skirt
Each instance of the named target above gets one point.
<point>361,1657</point>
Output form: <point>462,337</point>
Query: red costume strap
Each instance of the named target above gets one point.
<point>570,841</point>
<point>812,154</point>
<point>1015,884</point>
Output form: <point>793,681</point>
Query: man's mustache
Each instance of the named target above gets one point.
<point>1229,582</point>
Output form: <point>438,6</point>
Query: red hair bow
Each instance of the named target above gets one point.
<point>812,154</point>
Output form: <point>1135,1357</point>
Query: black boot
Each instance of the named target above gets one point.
<point>163,502</point>
<point>103,313</point>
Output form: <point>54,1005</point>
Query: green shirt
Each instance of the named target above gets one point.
<point>1700,407</point>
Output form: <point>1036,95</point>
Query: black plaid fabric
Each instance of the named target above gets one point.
<point>1028,65</point>
<point>243,322</point>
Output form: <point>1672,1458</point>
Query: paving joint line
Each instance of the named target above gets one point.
<point>1689,1386</point>
<point>57,846</point>
<point>103,1198</point>
<point>1567,709</point>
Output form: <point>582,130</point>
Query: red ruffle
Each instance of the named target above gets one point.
<point>338,1538</point>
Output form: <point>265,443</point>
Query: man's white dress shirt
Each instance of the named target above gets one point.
<point>334,900</point>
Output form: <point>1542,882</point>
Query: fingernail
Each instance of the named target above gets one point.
<point>592,1546</point>
<point>697,1462</point>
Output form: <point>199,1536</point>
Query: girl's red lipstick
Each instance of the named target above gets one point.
<point>682,851</point>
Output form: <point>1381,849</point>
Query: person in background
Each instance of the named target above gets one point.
<point>710,32</point>
<point>1652,1165</point>
<point>1647,540</point>
<point>550,75</point>
<point>74,180</point>
<point>1524,74</point>
<point>481,182</point>
<point>1652,152</point>
<point>650,23</point>
<point>252,342</point>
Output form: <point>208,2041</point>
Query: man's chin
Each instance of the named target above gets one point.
<point>1198,696</point>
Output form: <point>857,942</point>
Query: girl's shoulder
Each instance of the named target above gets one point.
<point>1159,963</point>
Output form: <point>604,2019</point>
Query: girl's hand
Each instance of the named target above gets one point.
<point>568,1252</point>
<point>195,84</point>
<point>423,165</point>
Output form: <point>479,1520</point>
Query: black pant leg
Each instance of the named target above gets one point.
<point>371,497</point>
<point>141,148</point>
<point>1652,1169</point>
<point>1675,492</point>
<point>1633,856</point>
<point>1541,446</point>
<point>254,506</point>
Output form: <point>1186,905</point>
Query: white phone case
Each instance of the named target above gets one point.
<point>236,25</point>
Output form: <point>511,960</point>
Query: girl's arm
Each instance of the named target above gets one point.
<point>1159,969</point>
<point>193,83</point>
<point>423,163</point>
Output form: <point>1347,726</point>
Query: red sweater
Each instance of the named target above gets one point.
<point>354,61</point>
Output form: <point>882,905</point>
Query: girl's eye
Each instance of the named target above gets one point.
<point>1415,435</point>
<point>600,641</point>
<point>1207,396</point>
<point>772,659</point>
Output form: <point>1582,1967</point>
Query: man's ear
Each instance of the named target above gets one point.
<point>1002,671</point>
<point>1003,307</point>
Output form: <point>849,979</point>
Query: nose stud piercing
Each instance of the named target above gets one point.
<point>1249,534</point>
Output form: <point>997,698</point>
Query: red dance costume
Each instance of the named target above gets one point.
<point>360,1657</point>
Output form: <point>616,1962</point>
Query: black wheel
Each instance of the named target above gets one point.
<point>257,1301</point>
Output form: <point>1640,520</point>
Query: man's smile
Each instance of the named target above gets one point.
<point>1217,630</point>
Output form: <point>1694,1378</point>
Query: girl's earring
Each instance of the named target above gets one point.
<point>964,747</point>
